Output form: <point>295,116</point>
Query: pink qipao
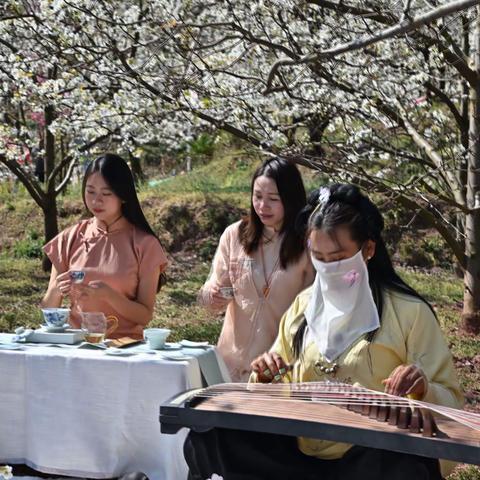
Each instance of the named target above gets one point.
<point>118,258</point>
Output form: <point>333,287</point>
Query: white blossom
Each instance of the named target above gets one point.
<point>6,472</point>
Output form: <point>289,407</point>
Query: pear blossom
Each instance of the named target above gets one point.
<point>6,472</point>
<point>215,477</point>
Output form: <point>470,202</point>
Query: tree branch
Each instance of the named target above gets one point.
<point>371,183</point>
<point>70,161</point>
<point>425,146</point>
<point>400,28</point>
<point>221,124</point>
<point>343,7</point>
<point>444,98</point>
<point>34,189</point>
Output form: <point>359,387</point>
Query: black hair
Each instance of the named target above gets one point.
<point>342,204</point>
<point>292,194</point>
<point>117,174</point>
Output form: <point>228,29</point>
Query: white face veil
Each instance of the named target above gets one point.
<point>341,308</point>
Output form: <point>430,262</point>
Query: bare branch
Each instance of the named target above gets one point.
<point>70,161</point>
<point>343,7</point>
<point>444,98</point>
<point>32,187</point>
<point>425,146</point>
<point>399,29</point>
<point>403,197</point>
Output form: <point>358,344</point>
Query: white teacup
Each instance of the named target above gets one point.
<point>156,337</point>
<point>227,292</point>
<point>55,317</point>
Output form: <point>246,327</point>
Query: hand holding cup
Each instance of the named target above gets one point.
<point>227,292</point>
<point>77,276</point>
<point>218,296</point>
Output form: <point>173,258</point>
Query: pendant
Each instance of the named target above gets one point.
<point>266,291</point>
<point>329,368</point>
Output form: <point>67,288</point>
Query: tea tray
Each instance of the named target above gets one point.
<point>68,337</point>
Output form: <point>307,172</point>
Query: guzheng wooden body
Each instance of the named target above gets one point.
<point>327,411</point>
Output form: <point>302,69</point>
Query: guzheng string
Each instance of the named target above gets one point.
<point>333,393</point>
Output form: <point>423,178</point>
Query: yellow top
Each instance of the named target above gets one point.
<point>409,333</point>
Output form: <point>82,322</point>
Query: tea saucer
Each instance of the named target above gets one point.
<point>171,346</point>
<point>177,357</point>
<point>190,344</point>
<point>55,329</point>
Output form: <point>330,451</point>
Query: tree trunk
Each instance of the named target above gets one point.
<point>50,202</point>
<point>49,142</point>
<point>471,307</point>
<point>137,171</point>
<point>50,223</point>
<point>316,129</point>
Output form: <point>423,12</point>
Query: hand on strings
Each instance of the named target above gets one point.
<point>269,367</point>
<point>407,380</point>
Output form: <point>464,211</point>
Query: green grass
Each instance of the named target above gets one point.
<point>440,288</point>
<point>22,285</point>
<point>219,185</point>
<point>465,472</point>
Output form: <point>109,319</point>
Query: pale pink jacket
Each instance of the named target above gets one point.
<point>252,320</point>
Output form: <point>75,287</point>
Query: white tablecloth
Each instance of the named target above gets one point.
<point>83,413</point>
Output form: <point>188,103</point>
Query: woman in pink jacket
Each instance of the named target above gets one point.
<point>259,267</point>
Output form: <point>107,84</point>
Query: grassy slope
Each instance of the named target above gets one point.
<point>22,282</point>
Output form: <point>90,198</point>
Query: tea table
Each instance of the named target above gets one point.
<point>94,413</point>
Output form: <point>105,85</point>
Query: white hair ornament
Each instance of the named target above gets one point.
<point>323,197</point>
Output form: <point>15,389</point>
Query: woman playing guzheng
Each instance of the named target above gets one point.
<point>260,266</point>
<point>359,323</point>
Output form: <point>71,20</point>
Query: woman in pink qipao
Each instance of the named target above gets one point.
<point>259,267</point>
<point>120,256</point>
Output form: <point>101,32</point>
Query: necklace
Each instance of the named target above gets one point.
<point>108,226</point>
<point>326,367</point>
<point>268,279</point>
<point>267,238</point>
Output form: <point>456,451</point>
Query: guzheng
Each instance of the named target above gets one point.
<point>330,411</point>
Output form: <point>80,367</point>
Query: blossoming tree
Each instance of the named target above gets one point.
<point>57,107</point>
<point>385,94</point>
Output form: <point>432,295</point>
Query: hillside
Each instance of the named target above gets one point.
<point>189,212</point>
